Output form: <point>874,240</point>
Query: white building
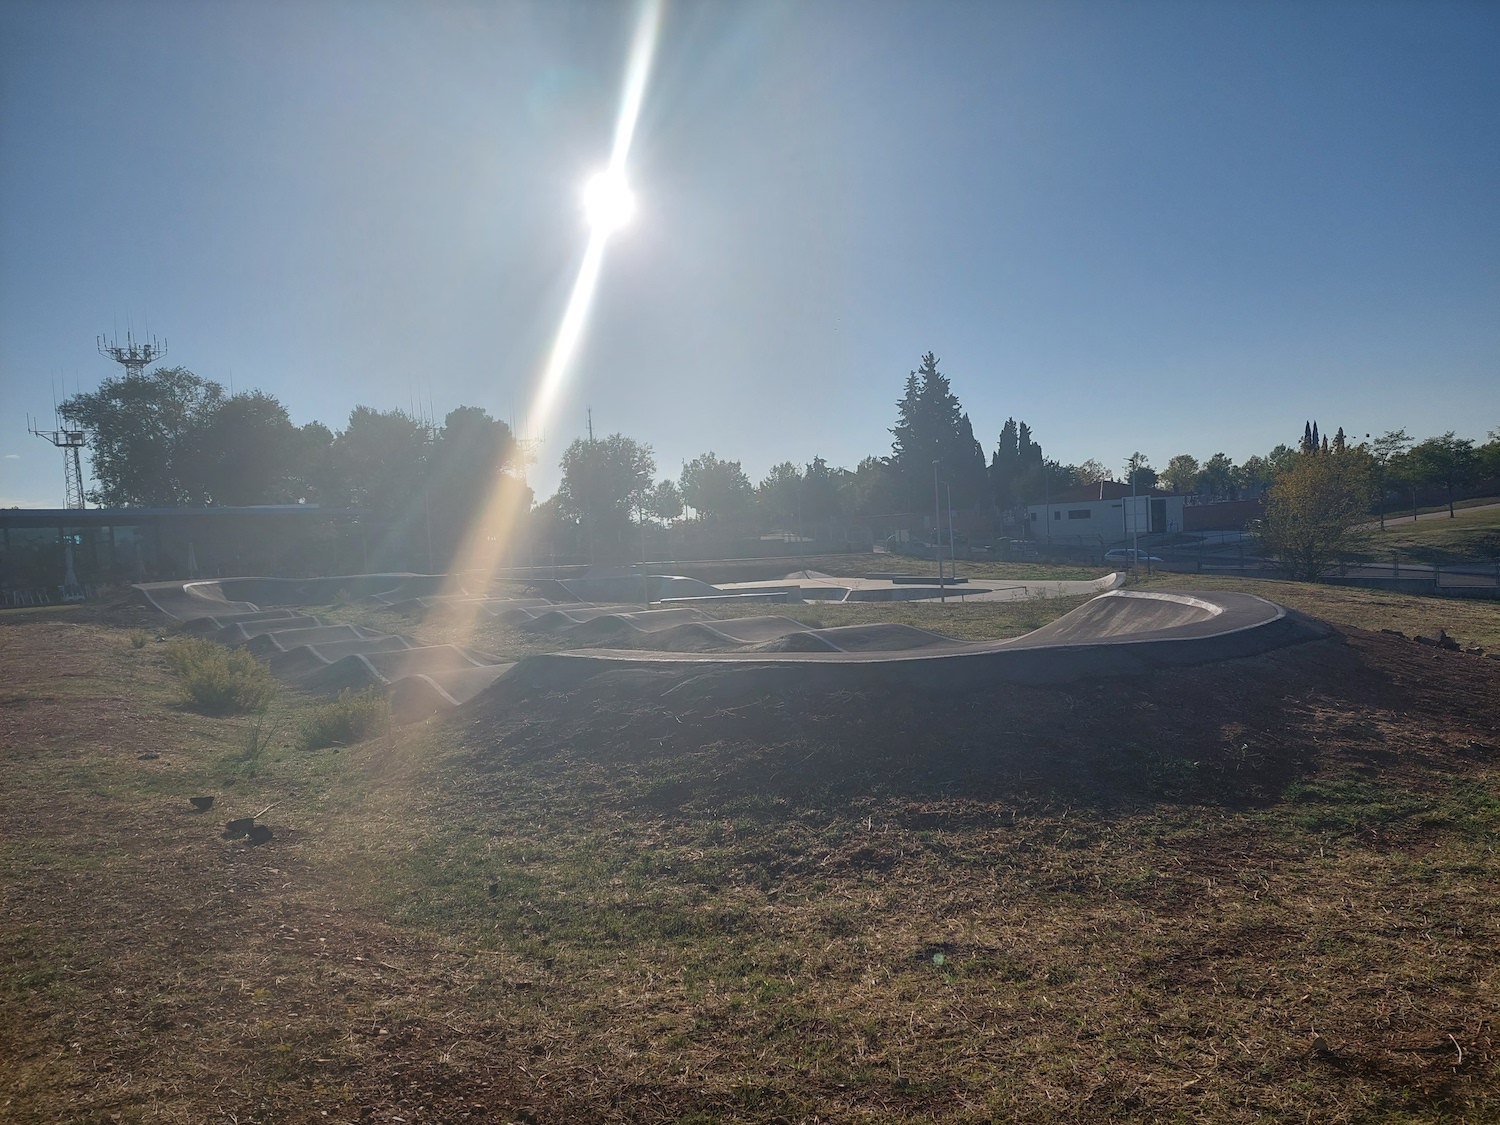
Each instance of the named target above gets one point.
<point>1104,513</point>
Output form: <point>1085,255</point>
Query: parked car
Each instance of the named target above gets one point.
<point>1129,556</point>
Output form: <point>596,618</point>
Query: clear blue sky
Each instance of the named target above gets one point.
<point>1180,227</point>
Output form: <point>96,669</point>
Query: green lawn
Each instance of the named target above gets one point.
<point>1471,536</point>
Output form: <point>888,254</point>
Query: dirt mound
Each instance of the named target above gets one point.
<point>1232,731</point>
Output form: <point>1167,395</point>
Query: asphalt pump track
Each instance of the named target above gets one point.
<point>1118,632</point>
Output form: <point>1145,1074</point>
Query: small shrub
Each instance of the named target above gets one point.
<point>140,639</point>
<point>352,717</point>
<point>218,680</point>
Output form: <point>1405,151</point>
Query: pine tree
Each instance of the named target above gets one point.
<point>1307,437</point>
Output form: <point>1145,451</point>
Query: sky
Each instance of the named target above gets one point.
<point>1167,227</point>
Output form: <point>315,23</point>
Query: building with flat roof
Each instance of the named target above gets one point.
<point>119,545</point>
<point>1104,513</point>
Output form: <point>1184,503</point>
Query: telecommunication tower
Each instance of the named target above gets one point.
<point>133,355</point>
<point>71,442</point>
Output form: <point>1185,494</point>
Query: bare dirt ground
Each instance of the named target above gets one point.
<point>1255,891</point>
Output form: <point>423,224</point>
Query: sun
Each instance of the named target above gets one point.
<point>608,202</point>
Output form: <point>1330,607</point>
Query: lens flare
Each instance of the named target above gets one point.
<point>608,204</point>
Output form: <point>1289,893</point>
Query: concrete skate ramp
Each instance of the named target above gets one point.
<point>634,623</point>
<point>299,661</point>
<point>861,638</point>
<point>380,669</point>
<point>183,601</point>
<point>207,626</point>
<point>242,631</point>
<point>460,606</point>
<point>559,619</point>
<point>284,640</point>
<point>420,586</point>
<point>417,697</point>
<point>635,588</point>
<point>1142,631</point>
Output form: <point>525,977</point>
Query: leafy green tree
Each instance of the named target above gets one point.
<point>779,496</point>
<point>382,459</point>
<point>717,490</point>
<point>471,455</point>
<point>1219,478</point>
<point>1315,513</point>
<point>1138,470</point>
<point>141,436</point>
<point>1385,453</point>
<point>870,489</point>
<point>665,501</point>
<point>821,487</point>
<point>1255,476</point>
<point>607,481</point>
<point>1181,473</point>
<point>1093,472</point>
<point>1447,461</point>
<point>244,451</point>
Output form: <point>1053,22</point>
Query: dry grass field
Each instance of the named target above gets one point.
<point>1249,892</point>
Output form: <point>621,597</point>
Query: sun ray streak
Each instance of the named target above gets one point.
<point>492,529</point>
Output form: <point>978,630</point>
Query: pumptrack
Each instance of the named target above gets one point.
<point>1118,632</point>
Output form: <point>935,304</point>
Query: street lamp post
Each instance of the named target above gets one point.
<point>952,550</point>
<point>937,512</point>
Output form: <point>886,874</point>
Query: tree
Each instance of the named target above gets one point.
<point>606,481</point>
<point>1181,473</point>
<point>1385,454</point>
<point>1448,461</point>
<point>470,461</point>
<point>382,458</point>
<point>665,501</point>
<point>870,489</point>
<point>1315,512</point>
<point>717,490</point>
<point>1255,476</point>
<point>244,451</point>
<point>932,426</point>
<point>821,487</point>
<point>1219,478</point>
<point>779,496</point>
<point>1138,472</point>
<point>1005,466</point>
<point>140,431</point>
<point>1093,472</point>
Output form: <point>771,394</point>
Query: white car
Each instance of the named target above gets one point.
<point>1129,557</point>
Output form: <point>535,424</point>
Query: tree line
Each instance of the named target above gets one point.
<point>169,438</point>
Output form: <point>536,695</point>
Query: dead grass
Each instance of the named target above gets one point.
<point>1470,621</point>
<point>1256,891</point>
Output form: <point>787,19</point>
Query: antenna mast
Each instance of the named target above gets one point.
<point>71,442</point>
<point>133,355</point>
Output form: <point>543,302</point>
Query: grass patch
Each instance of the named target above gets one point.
<point>219,680</point>
<point>1470,621</point>
<point>353,717</point>
<point>1471,536</point>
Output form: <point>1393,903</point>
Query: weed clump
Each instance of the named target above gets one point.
<point>139,638</point>
<point>218,680</point>
<point>352,717</point>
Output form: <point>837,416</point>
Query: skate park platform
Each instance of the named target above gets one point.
<point>1117,632</point>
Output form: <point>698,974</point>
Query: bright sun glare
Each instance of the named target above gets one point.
<point>608,202</point>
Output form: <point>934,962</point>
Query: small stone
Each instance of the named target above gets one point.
<point>1393,633</point>
<point>148,756</point>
